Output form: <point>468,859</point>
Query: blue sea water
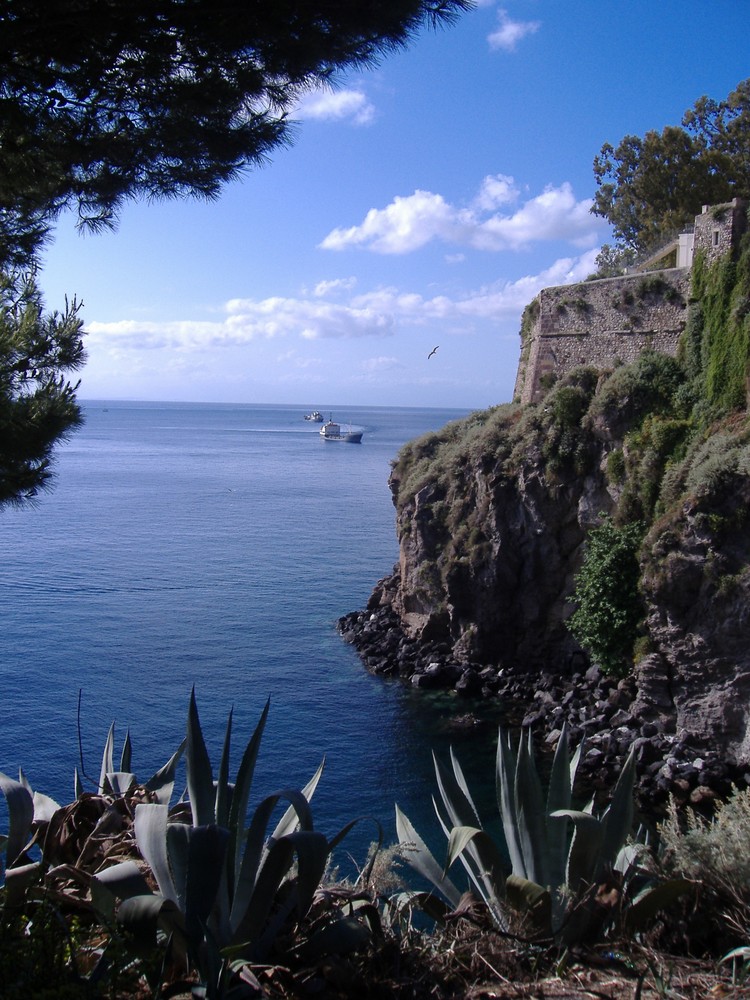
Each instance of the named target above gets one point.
<point>215,546</point>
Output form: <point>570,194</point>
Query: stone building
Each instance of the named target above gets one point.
<point>611,320</point>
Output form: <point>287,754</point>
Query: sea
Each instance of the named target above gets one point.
<point>213,548</point>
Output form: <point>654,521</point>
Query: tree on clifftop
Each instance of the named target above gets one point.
<point>106,100</point>
<point>650,187</point>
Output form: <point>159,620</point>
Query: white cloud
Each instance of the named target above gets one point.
<point>410,222</point>
<point>509,32</point>
<point>324,288</point>
<point>327,104</point>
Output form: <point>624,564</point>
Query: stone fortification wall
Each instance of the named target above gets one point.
<point>611,320</point>
<point>601,323</point>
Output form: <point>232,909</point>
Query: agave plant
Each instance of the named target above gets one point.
<point>553,875</point>
<point>225,889</point>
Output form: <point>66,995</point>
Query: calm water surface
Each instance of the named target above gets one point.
<point>215,547</point>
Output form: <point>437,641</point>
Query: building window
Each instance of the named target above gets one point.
<point>716,237</point>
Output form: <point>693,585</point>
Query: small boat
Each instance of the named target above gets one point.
<point>316,416</point>
<point>331,431</point>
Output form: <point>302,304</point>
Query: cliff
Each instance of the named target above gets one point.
<point>493,514</point>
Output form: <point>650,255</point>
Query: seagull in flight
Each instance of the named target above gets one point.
<point>433,351</point>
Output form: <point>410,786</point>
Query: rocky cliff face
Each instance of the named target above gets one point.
<point>492,518</point>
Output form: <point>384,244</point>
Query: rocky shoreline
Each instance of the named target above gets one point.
<point>603,709</point>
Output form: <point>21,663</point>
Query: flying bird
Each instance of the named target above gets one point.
<point>433,351</point>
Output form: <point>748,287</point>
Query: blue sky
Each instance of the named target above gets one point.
<point>423,203</point>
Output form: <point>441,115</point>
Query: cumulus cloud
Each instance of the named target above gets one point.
<point>410,222</point>
<point>377,313</point>
<point>324,288</point>
<point>327,104</point>
<point>509,32</point>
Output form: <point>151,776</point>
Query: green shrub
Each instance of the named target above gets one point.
<point>609,604</point>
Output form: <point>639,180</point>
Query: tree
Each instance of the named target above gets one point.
<point>105,100</point>
<point>652,186</point>
<point>37,403</point>
<point>102,101</point>
<point>609,604</point>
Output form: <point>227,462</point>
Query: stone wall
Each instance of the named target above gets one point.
<point>611,320</point>
<point>601,323</point>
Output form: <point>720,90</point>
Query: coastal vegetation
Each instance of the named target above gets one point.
<point>225,892</point>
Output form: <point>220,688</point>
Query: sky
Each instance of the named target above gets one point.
<point>423,203</point>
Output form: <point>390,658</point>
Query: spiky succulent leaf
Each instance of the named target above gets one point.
<point>530,898</point>
<point>617,820</point>
<point>150,826</point>
<point>559,796</point>
<point>20,816</point>
<point>108,763</point>
<point>200,779</point>
<point>255,847</point>
<point>290,819</point>
<point>120,881</point>
<point>44,808</point>
<point>489,875</point>
<point>241,797</point>
<point>311,851</point>
<point>583,856</point>
<point>505,771</point>
<point>416,853</point>
<point>223,791</point>
<point>161,783</point>
<point>206,850</point>
<point>127,753</point>
<point>530,813</point>
<point>119,783</point>
<point>18,880</point>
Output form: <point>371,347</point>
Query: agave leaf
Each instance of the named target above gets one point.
<point>530,897</point>
<point>200,779</point>
<point>252,857</point>
<point>206,850</point>
<point>458,804</point>
<point>142,916</point>
<point>617,821</point>
<point>653,900</point>
<point>531,814</point>
<point>290,819</point>
<point>505,770</point>
<point>108,763</point>
<point>127,752</point>
<point>559,795</point>
<point>241,796</point>
<point>162,782</point>
<point>178,853</point>
<point>583,856</point>
<point>479,854</point>
<point>311,849</point>
<point>742,952</point>
<point>223,791</point>
<point>44,808</point>
<point>336,839</point>
<point>117,882</point>
<point>418,855</point>
<point>151,836</point>
<point>490,861</point>
<point>20,816</point>
<point>119,783</point>
<point>18,879</point>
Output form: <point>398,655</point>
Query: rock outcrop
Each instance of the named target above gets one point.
<point>492,518</point>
